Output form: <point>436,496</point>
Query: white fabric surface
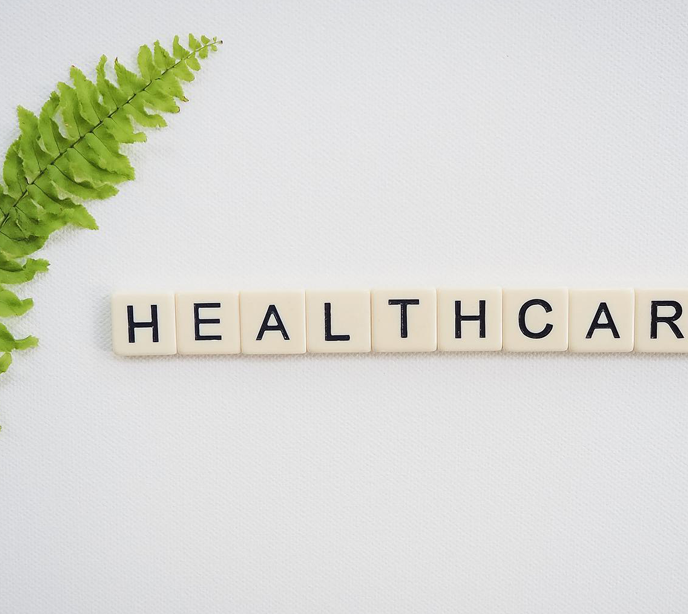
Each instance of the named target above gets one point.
<point>359,144</point>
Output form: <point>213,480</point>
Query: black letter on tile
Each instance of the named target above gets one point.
<point>134,325</point>
<point>265,327</point>
<point>198,321</point>
<point>458,318</point>
<point>670,320</point>
<point>609,324</point>
<point>404,303</point>
<point>522,318</point>
<point>328,326</point>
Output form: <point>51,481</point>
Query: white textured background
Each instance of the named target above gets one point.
<point>342,144</point>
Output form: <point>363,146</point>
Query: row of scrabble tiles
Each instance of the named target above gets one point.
<point>401,320</point>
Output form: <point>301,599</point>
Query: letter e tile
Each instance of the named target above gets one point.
<point>208,323</point>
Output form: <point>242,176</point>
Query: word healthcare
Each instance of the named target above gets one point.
<point>401,320</point>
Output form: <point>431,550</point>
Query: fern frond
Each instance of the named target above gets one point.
<point>71,152</point>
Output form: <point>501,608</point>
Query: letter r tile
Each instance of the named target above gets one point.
<point>661,320</point>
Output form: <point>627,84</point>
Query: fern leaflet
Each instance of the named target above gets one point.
<point>71,153</point>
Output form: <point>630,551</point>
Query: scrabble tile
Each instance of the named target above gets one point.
<point>535,320</point>
<point>601,320</point>
<point>338,321</point>
<point>208,323</point>
<point>404,320</point>
<point>273,322</point>
<point>661,320</point>
<point>469,320</point>
<point>143,324</point>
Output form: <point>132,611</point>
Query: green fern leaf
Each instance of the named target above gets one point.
<point>120,128</point>
<point>88,96</point>
<point>5,362</point>
<point>149,71</point>
<point>111,96</point>
<point>163,60</point>
<point>15,272</point>
<point>51,140</point>
<point>137,110</point>
<point>9,343</point>
<point>14,242</point>
<point>12,172</point>
<point>129,83</point>
<point>72,152</point>
<point>12,305</point>
<point>74,124</point>
<point>33,158</point>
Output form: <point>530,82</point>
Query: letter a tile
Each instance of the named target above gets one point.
<point>601,320</point>
<point>273,322</point>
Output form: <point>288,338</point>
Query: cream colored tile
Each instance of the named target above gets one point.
<point>143,324</point>
<point>535,320</point>
<point>601,320</point>
<point>469,319</point>
<point>661,320</point>
<point>273,322</point>
<point>208,323</point>
<point>404,320</point>
<point>338,321</point>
